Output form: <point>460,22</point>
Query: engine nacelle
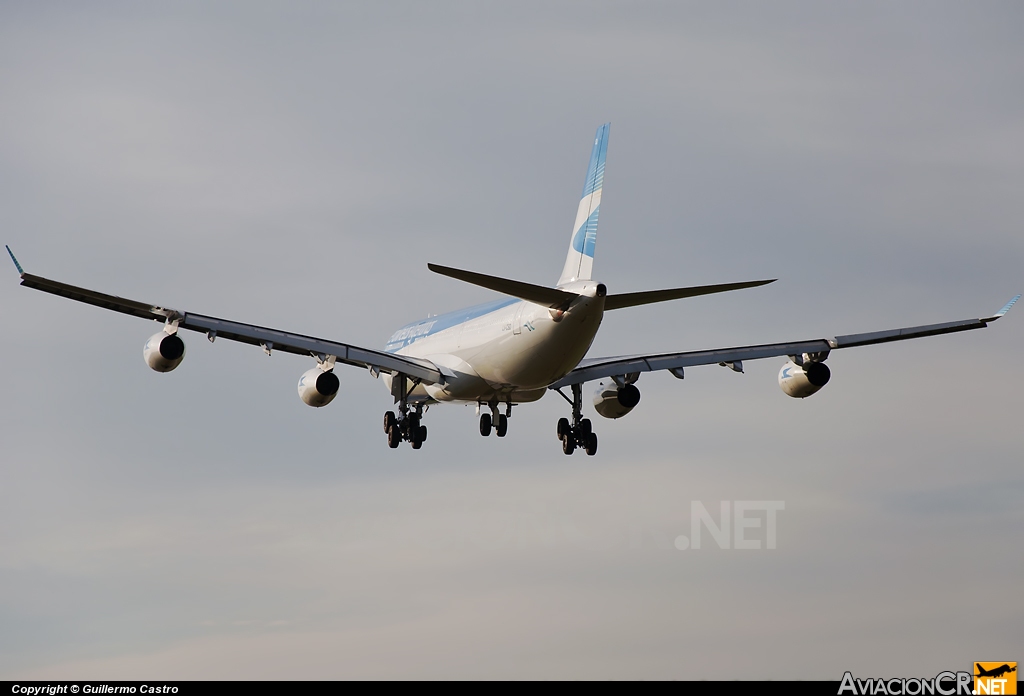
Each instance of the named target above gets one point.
<point>163,351</point>
<point>802,381</point>
<point>318,388</point>
<point>613,401</point>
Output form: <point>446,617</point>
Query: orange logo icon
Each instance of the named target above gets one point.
<point>995,678</point>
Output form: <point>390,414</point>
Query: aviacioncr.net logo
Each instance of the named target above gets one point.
<point>943,684</point>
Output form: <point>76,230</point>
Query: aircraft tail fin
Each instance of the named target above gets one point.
<point>579,262</point>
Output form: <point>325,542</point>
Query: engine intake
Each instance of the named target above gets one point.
<point>613,401</point>
<point>163,351</point>
<point>318,388</point>
<point>800,381</point>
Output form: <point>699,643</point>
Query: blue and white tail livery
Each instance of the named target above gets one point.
<point>506,352</point>
<point>579,262</point>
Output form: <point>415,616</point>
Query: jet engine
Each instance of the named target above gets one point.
<point>613,401</point>
<point>163,351</point>
<point>800,381</point>
<point>318,388</point>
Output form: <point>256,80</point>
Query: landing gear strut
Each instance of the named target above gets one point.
<point>579,433</point>
<point>498,421</point>
<point>405,426</point>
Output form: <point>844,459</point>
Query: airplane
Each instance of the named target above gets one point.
<point>510,351</point>
<point>996,672</point>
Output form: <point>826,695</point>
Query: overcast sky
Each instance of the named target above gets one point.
<point>297,165</point>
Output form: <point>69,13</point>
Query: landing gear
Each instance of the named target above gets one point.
<point>495,420</point>
<point>418,435</point>
<point>578,433</point>
<point>563,428</point>
<point>586,429</point>
<point>405,426</point>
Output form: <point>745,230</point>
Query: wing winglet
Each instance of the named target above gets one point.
<point>1001,312</point>
<point>21,271</point>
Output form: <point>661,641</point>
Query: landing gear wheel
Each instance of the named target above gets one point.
<point>502,427</point>
<point>415,440</point>
<point>485,424</point>
<point>592,444</point>
<point>389,420</point>
<point>394,437</point>
<point>568,444</point>
<point>563,428</point>
<point>585,429</point>
<point>423,433</point>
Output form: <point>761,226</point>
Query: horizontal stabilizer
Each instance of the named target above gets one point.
<point>632,299</point>
<point>538,294</point>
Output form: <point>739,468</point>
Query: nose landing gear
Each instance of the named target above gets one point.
<point>580,432</point>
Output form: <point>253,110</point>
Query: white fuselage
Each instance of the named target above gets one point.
<point>507,351</point>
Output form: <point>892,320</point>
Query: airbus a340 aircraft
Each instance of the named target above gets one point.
<point>506,352</point>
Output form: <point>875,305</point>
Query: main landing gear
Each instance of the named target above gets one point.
<point>406,425</point>
<point>495,420</point>
<point>407,428</point>
<point>579,433</point>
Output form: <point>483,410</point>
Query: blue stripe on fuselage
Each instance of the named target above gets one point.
<point>410,333</point>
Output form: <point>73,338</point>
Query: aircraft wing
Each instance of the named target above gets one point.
<point>270,339</point>
<point>599,368</point>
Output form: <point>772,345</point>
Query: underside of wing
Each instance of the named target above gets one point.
<point>599,368</point>
<point>274,339</point>
<point>269,339</point>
